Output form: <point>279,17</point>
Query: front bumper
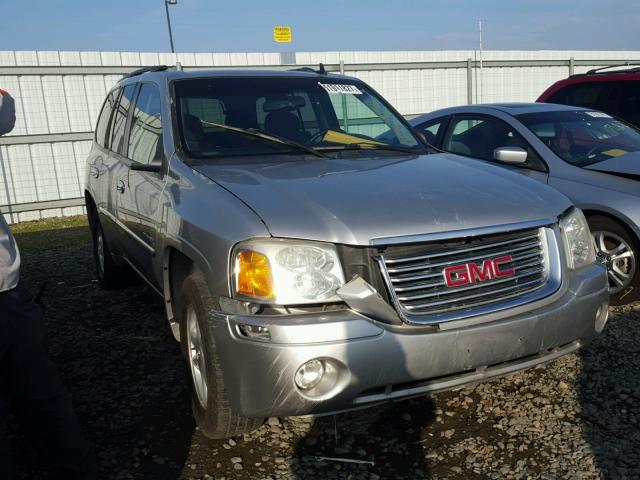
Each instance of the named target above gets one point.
<point>374,362</point>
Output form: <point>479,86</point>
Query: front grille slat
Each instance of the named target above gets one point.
<point>469,297</point>
<point>450,291</point>
<point>467,259</point>
<point>461,250</point>
<point>442,284</point>
<point>416,280</point>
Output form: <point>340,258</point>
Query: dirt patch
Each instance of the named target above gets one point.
<point>577,417</point>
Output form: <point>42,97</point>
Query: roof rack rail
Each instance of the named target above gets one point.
<point>321,70</point>
<point>626,64</point>
<point>140,71</point>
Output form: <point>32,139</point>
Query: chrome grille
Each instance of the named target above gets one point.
<point>415,273</point>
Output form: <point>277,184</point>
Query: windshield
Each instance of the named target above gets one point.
<point>583,138</point>
<point>322,113</point>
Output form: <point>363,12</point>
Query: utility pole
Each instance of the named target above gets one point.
<point>480,73</point>
<point>166,7</point>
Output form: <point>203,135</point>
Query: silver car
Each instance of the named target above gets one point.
<point>591,157</point>
<point>314,257</point>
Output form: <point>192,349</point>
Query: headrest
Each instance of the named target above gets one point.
<point>284,103</point>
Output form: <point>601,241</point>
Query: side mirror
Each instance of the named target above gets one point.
<point>511,155</point>
<point>154,166</point>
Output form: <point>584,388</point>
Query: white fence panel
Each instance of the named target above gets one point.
<point>60,102</point>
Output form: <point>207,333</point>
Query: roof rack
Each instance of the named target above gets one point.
<point>140,71</point>
<point>321,70</point>
<point>626,64</point>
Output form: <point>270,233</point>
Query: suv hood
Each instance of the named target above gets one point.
<point>352,201</point>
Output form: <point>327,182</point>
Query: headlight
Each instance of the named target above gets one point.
<point>578,243</point>
<point>284,272</point>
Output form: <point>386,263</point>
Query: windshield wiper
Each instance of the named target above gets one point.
<point>270,137</point>
<point>368,146</point>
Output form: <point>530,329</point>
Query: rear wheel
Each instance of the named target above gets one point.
<point>210,407</point>
<point>109,274</point>
<point>618,250</point>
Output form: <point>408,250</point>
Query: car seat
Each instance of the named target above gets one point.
<point>286,124</point>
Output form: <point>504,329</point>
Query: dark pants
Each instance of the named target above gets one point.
<point>31,387</point>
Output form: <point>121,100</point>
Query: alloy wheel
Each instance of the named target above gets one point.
<point>197,361</point>
<point>100,251</point>
<point>618,256</point>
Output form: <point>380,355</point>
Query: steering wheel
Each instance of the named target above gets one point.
<point>597,149</point>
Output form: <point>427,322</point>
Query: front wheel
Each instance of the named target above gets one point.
<point>210,407</point>
<point>618,251</point>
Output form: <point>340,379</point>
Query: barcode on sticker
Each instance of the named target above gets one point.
<point>598,114</point>
<point>338,88</point>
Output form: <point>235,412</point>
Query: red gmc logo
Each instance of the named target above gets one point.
<point>472,272</point>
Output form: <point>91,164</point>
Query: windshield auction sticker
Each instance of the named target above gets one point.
<point>338,88</point>
<point>598,114</point>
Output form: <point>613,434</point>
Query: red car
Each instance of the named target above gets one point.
<point>616,92</point>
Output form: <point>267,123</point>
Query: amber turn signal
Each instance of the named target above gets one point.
<point>253,275</point>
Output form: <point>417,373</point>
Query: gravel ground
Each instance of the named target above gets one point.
<point>575,418</point>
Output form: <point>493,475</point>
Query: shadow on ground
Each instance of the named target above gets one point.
<point>609,393</point>
<point>390,437</point>
<point>115,352</point>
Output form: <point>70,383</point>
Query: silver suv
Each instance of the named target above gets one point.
<point>315,256</point>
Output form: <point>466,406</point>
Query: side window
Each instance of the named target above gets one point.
<point>119,121</point>
<point>627,105</point>
<point>479,136</point>
<point>431,129</point>
<point>588,95</point>
<point>103,120</point>
<point>145,139</point>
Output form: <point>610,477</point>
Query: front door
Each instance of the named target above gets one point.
<point>478,136</point>
<point>140,205</point>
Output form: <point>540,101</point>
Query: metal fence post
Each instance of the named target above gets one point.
<point>469,82</point>
<point>341,67</point>
<point>572,62</point>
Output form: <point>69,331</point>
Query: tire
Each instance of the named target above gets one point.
<point>618,250</point>
<point>110,275</point>
<point>210,407</point>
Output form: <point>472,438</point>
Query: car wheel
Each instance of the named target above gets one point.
<point>109,274</point>
<point>211,409</point>
<point>618,250</point>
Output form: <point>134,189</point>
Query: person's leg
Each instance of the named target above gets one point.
<point>6,467</point>
<point>39,400</point>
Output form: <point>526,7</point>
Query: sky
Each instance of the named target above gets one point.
<point>322,25</point>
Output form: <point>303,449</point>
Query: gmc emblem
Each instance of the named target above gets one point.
<point>472,272</point>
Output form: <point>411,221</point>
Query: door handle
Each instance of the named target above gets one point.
<point>120,186</point>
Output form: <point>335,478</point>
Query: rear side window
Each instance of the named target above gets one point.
<point>103,121</point>
<point>119,121</point>
<point>596,95</point>
<point>145,139</point>
<point>627,104</point>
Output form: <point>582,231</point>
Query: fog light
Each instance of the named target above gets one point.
<point>310,374</point>
<point>253,331</point>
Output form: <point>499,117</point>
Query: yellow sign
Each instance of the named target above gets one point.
<point>282,34</point>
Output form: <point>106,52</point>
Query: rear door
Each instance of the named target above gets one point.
<point>139,206</point>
